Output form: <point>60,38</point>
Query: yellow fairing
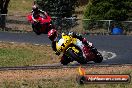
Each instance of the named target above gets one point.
<point>64,43</point>
<point>75,49</point>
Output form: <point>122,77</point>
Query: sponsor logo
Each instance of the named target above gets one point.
<point>101,78</point>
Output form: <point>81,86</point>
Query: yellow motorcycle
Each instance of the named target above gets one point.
<point>74,50</point>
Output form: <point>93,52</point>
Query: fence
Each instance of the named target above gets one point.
<point>20,23</point>
<point>17,23</point>
<point>106,26</point>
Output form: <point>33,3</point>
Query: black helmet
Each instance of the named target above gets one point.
<point>35,8</point>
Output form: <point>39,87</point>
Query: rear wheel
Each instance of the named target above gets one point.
<point>98,58</point>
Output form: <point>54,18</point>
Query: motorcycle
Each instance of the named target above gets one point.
<point>43,24</point>
<point>72,51</point>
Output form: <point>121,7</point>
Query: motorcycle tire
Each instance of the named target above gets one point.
<point>78,58</point>
<point>35,30</point>
<point>98,58</point>
<point>64,60</point>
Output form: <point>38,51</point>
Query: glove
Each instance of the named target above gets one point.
<point>91,44</point>
<point>36,21</point>
<point>71,34</point>
<point>57,53</point>
<point>84,40</point>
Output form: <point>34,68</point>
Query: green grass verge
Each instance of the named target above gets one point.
<point>20,6</point>
<point>25,54</point>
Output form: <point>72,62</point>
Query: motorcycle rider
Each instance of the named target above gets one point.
<point>36,13</point>
<point>52,35</point>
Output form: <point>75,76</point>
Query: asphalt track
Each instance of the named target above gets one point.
<point>121,45</point>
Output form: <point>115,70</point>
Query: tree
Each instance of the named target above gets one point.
<point>58,8</point>
<point>3,10</point>
<point>108,9</point>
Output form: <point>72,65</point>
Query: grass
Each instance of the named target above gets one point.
<point>25,54</point>
<point>16,54</point>
<point>59,78</point>
<point>18,10</point>
<point>20,7</point>
<point>59,83</point>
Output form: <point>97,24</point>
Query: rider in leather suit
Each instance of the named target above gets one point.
<point>52,35</point>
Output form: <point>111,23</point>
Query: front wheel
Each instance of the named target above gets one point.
<point>64,60</point>
<point>78,57</point>
<point>37,32</point>
<point>36,29</point>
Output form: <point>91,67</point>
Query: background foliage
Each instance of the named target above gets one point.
<point>58,8</point>
<point>108,9</point>
<point>100,11</point>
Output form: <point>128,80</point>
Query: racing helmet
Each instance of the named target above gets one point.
<point>52,34</point>
<point>35,8</point>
